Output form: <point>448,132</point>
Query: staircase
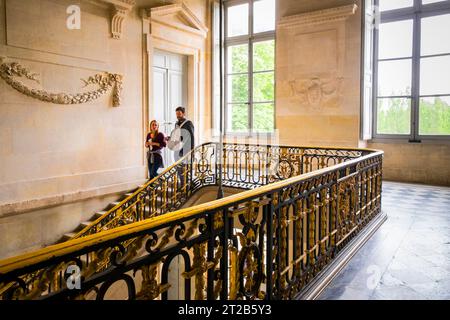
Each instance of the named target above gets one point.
<point>99,215</point>
<point>319,201</point>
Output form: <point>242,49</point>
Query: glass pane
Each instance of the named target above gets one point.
<point>394,78</point>
<point>263,87</point>
<point>396,39</point>
<point>435,38</point>
<point>237,20</point>
<point>394,116</point>
<point>435,75</point>
<point>263,16</point>
<point>238,88</point>
<point>264,55</point>
<point>386,5</point>
<point>237,117</point>
<point>263,117</point>
<point>237,59</point>
<point>434,116</point>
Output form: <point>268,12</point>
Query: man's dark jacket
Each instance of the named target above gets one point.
<point>188,130</point>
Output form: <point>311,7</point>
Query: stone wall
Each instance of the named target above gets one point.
<point>63,155</point>
<point>53,149</point>
<point>74,158</point>
<point>50,149</point>
<point>426,162</point>
<point>318,72</point>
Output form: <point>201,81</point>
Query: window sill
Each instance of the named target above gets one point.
<point>434,140</point>
<point>244,134</point>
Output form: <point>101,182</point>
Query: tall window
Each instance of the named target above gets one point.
<point>250,66</point>
<point>412,69</point>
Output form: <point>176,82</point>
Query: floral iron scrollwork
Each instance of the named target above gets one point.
<point>150,287</point>
<point>199,268</point>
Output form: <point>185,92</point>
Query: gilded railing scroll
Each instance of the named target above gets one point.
<point>305,205</point>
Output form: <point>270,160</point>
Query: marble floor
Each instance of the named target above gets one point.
<point>408,258</point>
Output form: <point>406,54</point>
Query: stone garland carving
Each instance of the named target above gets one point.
<point>105,81</point>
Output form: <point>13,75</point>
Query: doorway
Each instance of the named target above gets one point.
<point>169,92</point>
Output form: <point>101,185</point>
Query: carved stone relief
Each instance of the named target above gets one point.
<point>316,92</point>
<point>314,52</point>
<point>105,81</point>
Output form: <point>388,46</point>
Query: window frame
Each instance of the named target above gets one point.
<point>249,39</point>
<point>414,13</point>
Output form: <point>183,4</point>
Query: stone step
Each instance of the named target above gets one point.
<point>68,236</point>
<point>113,204</point>
<point>99,214</point>
<point>170,187</point>
<point>85,224</point>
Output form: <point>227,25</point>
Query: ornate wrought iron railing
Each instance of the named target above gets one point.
<point>265,243</point>
<point>165,193</point>
<point>246,167</point>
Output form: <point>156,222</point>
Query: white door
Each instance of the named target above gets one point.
<point>169,92</point>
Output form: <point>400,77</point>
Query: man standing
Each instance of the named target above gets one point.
<point>181,141</point>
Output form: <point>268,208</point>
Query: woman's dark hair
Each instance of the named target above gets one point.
<point>181,109</point>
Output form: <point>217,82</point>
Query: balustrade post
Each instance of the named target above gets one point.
<point>277,218</point>
<point>268,210</point>
<point>210,256</point>
<point>379,180</point>
<point>224,261</point>
<point>189,170</point>
<point>338,209</point>
<point>267,166</point>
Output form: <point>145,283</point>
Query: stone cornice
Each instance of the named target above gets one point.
<point>192,24</point>
<point>122,4</point>
<point>318,17</point>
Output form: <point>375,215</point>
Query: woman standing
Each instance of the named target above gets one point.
<point>155,142</point>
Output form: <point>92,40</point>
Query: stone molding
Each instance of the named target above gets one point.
<point>192,23</point>
<point>120,9</point>
<point>176,29</point>
<point>11,209</point>
<point>318,17</point>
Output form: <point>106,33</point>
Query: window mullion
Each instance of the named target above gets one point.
<point>375,72</point>
<point>225,102</point>
<point>415,78</point>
